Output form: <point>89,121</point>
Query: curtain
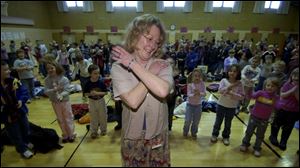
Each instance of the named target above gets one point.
<point>62,6</point>
<point>237,7</point>
<point>109,7</point>
<point>188,6</point>
<point>88,6</point>
<point>160,6</point>
<point>259,7</point>
<point>284,7</point>
<point>208,6</point>
<point>139,6</point>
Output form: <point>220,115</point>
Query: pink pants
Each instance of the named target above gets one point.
<point>63,111</point>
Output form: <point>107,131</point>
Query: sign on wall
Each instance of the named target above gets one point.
<point>230,29</point>
<point>67,29</point>
<point>254,30</point>
<point>113,29</point>
<point>183,29</point>
<point>12,36</point>
<point>207,29</point>
<point>276,30</point>
<point>90,29</point>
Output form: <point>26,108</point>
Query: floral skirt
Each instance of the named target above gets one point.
<point>146,153</point>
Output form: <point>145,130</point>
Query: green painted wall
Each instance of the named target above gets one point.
<point>46,15</point>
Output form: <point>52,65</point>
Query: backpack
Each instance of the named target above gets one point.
<point>79,110</point>
<point>43,139</point>
<point>213,87</point>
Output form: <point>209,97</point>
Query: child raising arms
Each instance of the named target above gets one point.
<point>195,92</point>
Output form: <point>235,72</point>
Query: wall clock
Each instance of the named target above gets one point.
<point>172,27</point>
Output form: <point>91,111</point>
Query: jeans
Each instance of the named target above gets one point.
<point>260,126</point>
<point>192,116</point>
<point>29,84</point>
<point>223,113</point>
<point>83,81</point>
<point>286,121</point>
<point>18,132</point>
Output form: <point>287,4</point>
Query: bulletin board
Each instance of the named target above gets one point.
<point>91,38</point>
<point>231,36</point>
<point>115,38</point>
<point>255,36</point>
<point>278,39</point>
<point>207,36</point>
<point>186,36</point>
<point>12,36</point>
<point>69,37</point>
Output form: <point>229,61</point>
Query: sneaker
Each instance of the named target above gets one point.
<point>103,133</point>
<point>36,97</point>
<point>94,135</point>
<point>118,127</point>
<point>273,141</point>
<point>194,136</point>
<point>30,146</point>
<point>257,153</point>
<point>28,101</point>
<point>243,148</point>
<point>282,147</point>
<point>65,140</point>
<point>27,154</point>
<point>72,138</point>
<point>213,139</point>
<point>226,141</point>
<point>185,135</point>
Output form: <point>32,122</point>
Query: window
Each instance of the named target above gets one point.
<point>174,4</point>
<point>272,4</point>
<point>224,4</point>
<point>72,4</point>
<point>124,4</point>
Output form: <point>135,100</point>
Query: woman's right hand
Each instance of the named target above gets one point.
<point>157,66</point>
<point>121,55</point>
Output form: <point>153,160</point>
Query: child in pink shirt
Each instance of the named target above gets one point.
<point>195,92</point>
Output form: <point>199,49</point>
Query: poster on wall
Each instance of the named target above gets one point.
<point>254,30</point>
<point>12,35</point>
<point>230,29</point>
<point>207,29</point>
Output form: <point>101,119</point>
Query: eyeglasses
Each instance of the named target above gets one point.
<point>150,39</point>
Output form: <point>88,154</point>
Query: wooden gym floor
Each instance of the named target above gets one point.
<point>185,152</point>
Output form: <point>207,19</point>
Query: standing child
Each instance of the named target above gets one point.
<point>14,112</point>
<point>231,90</point>
<point>58,90</point>
<point>250,75</point>
<point>266,70</point>
<point>62,59</point>
<point>261,112</point>
<point>24,68</point>
<point>95,90</point>
<point>229,60</point>
<point>82,65</point>
<point>288,112</point>
<point>195,92</point>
